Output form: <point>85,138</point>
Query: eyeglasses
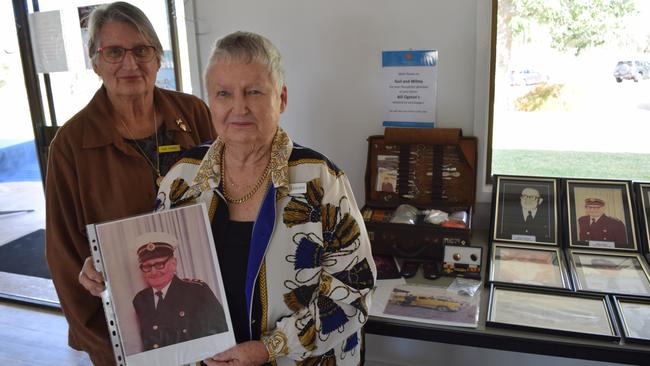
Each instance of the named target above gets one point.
<point>115,54</point>
<point>527,197</point>
<point>146,268</point>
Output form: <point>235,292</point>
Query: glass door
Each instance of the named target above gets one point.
<point>35,105</point>
<point>23,271</point>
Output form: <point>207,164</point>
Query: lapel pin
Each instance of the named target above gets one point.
<point>181,124</point>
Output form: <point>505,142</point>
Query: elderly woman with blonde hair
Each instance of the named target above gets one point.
<point>294,253</point>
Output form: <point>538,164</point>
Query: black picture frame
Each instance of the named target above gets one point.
<point>530,265</point>
<point>609,272</point>
<point>614,229</point>
<point>643,199</point>
<point>512,196</point>
<point>552,311</point>
<point>634,318</point>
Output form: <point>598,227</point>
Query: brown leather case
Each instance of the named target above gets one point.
<point>429,169</point>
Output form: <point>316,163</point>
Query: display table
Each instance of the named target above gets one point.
<point>506,339</point>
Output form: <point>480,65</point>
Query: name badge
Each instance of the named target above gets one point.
<point>524,237</point>
<point>602,244</point>
<point>169,148</point>
<point>297,188</point>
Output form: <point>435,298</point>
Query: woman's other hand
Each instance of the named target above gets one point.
<point>90,279</point>
<point>252,353</point>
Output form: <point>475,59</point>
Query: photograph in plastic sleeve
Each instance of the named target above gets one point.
<point>433,304</point>
<point>635,316</point>
<point>526,210</point>
<point>610,273</point>
<point>528,265</point>
<point>164,287</point>
<point>551,311</point>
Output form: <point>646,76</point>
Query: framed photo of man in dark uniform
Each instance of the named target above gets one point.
<point>165,302</point>
<point>600,214</point>
<point>525,210</point>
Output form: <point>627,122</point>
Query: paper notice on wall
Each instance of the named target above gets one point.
<point>47,41</point>
<point>410,83</point>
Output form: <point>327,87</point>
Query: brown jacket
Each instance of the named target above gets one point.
<point>93,175</point>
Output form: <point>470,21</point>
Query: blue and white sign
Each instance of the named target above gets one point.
<point>410,79</point>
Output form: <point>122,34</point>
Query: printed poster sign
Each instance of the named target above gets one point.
<point>410,82</point>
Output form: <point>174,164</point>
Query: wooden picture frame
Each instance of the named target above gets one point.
<point>525,210</point>
<point>551,311</point>
<point>609,272</point>
<point>600,215</point>
<point>529,265</point>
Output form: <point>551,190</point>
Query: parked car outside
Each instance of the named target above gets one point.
<point>631,70</point>
<point>527,76</point>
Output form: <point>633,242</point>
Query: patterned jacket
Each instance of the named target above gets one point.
<point>310,257</point>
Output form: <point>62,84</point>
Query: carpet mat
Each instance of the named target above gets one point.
<point>25,255</point>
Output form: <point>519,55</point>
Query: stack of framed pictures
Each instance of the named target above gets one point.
<point>525,245</point>
<point>565,256</point>
<point>603,250</point>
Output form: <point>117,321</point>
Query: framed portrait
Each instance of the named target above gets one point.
<point>644,210</point>
<point>634,316</point>
<point>525,210</point>
<point>528,265</point>
<point>600,215</point>
<point>164,300</point>
<point>550,311</point>
<point>612,273</point>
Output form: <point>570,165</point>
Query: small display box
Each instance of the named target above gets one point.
<point>434,172</point>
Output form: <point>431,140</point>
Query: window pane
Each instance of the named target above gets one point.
<point>572,89</point>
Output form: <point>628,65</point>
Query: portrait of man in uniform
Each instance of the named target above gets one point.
<point>526,211</point>
<point>165,302</point>
<point>600,215</point>
<point>172,310</point>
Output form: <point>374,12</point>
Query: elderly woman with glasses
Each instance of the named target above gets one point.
<point>293,250</point>
<point>106,161</point>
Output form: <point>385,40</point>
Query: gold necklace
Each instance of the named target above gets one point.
<point>248,194</point>
<point>156,167</point>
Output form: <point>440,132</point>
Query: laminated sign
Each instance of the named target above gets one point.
<point>410,88</point>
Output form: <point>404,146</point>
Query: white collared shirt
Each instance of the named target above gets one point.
<point>164,293</point>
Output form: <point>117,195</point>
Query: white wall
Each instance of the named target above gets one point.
<point>332,56</point>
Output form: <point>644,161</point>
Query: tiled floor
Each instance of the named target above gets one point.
<point>19,196</point>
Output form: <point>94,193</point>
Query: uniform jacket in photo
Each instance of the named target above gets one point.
<point>94,175</point>
<point>604,229</point>
<point>539,225</point>
<point>310,260</point>
<point>189,310</point>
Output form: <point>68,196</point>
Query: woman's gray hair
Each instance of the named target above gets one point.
<point>247,47</point>
<point>120,12</point>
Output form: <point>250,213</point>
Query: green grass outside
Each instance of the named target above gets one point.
<point>574,164</point>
